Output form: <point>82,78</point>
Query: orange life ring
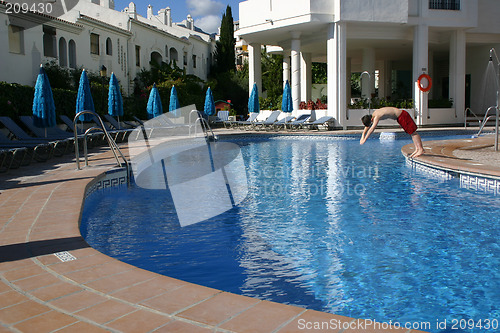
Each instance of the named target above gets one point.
<point>419,82</point>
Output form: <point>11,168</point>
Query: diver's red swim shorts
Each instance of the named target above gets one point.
<point>406,122</point>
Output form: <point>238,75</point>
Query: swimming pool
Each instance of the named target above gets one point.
<point>328,225</point>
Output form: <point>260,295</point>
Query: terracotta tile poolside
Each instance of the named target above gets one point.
<point>139,321</point>
<point>39,216</point>
<point>49,322</point>
<point>219,308</point>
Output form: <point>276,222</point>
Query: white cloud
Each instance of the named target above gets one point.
<point>209,23</point>
<point>204,7</point>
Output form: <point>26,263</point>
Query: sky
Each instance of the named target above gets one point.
<point>207,14</point>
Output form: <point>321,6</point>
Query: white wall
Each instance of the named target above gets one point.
<point>394,11</point>
<point>107,23</point>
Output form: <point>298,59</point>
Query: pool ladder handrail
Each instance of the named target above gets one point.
<point>112,144</point>
<point>486,118</point>
<point>205,126</point>
<point>477,118</point>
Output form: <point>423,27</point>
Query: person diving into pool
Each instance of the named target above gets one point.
<point>402,117</point>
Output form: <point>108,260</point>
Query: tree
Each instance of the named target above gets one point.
<point>319,72</point>
<point>272,77</point>
<point>224,48</point>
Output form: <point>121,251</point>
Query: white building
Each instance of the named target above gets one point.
<point>92,34</point>
<point>446,39</point>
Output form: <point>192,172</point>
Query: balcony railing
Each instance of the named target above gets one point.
<point>444,4</point>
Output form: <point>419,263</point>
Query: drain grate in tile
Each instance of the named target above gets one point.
<point>65,256</point>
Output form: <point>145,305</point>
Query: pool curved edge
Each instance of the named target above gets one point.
<point>51,278</point>
<point>439,160</point>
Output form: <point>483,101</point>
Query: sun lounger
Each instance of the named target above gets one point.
<point>12,158</point>
<point>282,122</point>
<point>251,119</point>
<point>117,135</point>
<point>39,151</point>
<point>323,121</point>
<point>118,125</point>
<point>299,121</point>
<point>273,117</point>
<point>60,147</point>
<point>69,123</point>
<point>53,133</point>
<point>221,118</point>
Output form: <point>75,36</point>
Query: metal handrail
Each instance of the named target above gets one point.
<point>475,116</point>
<point>205,126</point>
<point>87,132</point>
<point>112,144</point>
<point>485,119</point>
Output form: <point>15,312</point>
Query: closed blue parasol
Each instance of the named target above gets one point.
<point>253,101</point>
<point>174,105</point>
<point>209,108</point>
<point>287,102</point>
<point>84,99</point>
<point>154,108</point>
<point>115,101</point>
<point>44,109</point>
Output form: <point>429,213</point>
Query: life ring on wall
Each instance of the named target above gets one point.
<point>429,83</point>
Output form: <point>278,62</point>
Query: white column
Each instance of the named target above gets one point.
<point>254,67</point>
<point>368,82</point>
<point>457,74</point>
<point>306,76</point>
<point>336,72</point>
<point>420,66</point>
<point>286,67</point>
<point>295,54</point>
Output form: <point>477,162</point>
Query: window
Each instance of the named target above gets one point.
<point>174,55</point>
<point>109,47</point>
<point>72,53</point>
<point>138,56</point>
<point>49,42</point>
<point>185,59</point>
<point>63,52</point>
<point>444,4</point>
<point>94,44</point>
<point>16,39</point>
<point>194,61</point>
<point>156,58</point>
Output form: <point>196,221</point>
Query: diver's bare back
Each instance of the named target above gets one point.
<point>387,113</point>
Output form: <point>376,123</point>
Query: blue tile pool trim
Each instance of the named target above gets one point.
<point>480,184</point>
<point>430,171</point>
<point>470,181</point>
<point>111,178</point>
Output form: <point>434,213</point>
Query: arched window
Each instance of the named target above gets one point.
<point>72,53</point>
<point>109,47</point>
<point>174,56</point>
<point>156,58</point>
<point>63,52</point>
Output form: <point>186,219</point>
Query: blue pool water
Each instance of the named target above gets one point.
<point>329,225</point>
